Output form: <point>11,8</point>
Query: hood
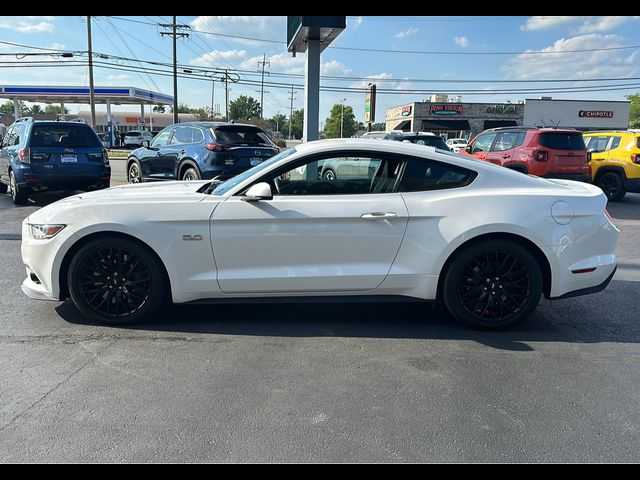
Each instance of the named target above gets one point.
<point>130,195</point>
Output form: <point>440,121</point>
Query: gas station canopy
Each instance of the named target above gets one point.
<point>112,95</point>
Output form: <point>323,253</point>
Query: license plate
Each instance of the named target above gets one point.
<point>69,159</point>
<point>229,161</point>
<point>255,161</point>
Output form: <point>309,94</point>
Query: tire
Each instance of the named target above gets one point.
<point>100,289</point>
<point>329,174</point>
<point>492,285</point>
<point>134,173</point>
<point>19,197</point>
<point>612,185</point>
<point>190,174</point>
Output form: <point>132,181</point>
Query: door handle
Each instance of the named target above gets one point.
<point>378,215</point>
<point>506,156</point>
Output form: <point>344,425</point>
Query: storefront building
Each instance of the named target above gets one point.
<point>466,120</point>
<point>454,119</point>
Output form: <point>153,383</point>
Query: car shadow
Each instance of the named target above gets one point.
<point>581,320</point>
<point>626,209</point>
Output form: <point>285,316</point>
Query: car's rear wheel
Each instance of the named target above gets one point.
<point>115,280</point>
<point>19,196</point>
<point>190,174</point>
<point>134,175</point>
<point>329,174</point>
<point>612,185</point>
<point>492,285</point>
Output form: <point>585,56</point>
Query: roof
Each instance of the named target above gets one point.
<point>70,94</point>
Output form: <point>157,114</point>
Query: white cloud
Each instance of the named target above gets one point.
<point>27,24</point>
<point>603,24</point>
<point>543,23</point>
<point>408,32</point>
<point>214,58</point>
<point>267,27</point>
<point>285,62</point>
<point>462,42</point>
<point>588,64</point>
<point>587,24</point>
<point>115,78</point>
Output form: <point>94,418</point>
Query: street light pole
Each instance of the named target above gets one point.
<point>342,117</point>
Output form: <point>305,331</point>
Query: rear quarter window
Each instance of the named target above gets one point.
<point>562,141</point>
<point>424,175</point>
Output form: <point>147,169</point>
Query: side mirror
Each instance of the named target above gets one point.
<point>146,144</point>
<point>259,191</point>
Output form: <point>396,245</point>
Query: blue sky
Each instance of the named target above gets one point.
<point>526,42</point>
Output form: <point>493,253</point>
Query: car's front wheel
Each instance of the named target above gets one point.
<point>492,285</point>
<point>115,280</point>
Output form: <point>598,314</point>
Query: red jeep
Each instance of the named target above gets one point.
<point>545,152</point>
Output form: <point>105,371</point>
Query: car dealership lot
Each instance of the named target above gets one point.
<point>327,382</point>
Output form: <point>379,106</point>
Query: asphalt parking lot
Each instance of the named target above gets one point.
<point>320,383</point>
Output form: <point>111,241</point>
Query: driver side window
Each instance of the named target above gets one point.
<point>483,143</point>
<point>339,175</point>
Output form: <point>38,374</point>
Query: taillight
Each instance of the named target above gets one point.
<point>24,154</point>
<point>540,155</point>
<point>214,147</point>
<point>105,156</point>
<point>635,158</point>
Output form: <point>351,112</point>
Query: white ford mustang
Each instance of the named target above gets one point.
<point>339,218</point>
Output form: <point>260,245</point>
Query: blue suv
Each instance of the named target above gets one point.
<point>46,155</point>
<point>200,150</point>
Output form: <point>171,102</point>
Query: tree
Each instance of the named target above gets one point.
<point>337,120</point>
<point>183,108</point>
<point>634,114</point>
<point>378,127</point>
<point>279,120</point>
<point>244,108</point>
<point>55,109</point>
<point>297,124</point>
<point>159,109</point>
<point>36,110</point>
<point>7,107</point>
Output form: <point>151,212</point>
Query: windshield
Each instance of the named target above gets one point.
<point>232,182</point>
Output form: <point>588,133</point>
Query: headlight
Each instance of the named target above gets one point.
<point>43,232</point>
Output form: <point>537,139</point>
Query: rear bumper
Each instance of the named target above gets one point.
<point>588,290</point>
<point>53,181</point>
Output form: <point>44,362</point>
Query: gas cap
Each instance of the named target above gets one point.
<point>562,212</point>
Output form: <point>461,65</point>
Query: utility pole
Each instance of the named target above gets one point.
<point>175,34</point>
<point>234,78</point>
<point>263,63</point>
<point>91,95</point>
<point>291,98</point>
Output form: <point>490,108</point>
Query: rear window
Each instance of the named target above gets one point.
<point>562,141</point>
<point>239,135</point>
<point>77,136</point>
<point>431,141</point>
<point>132,134</point>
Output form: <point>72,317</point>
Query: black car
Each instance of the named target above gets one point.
<point>200,150</point>
<point>49,155</point>
<point>421,138</point>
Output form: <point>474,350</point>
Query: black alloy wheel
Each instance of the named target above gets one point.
<point>116,280</point>
<point>133,174</point>
<point>493,285</point>
<point>612,186</point>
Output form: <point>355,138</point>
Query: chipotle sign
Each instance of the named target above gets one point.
<point>595,114</point>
